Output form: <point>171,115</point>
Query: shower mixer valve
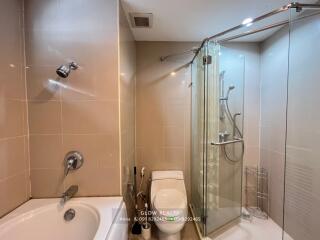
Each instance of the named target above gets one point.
<point>73,161</point>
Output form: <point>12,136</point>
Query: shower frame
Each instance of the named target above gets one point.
<point>294,5</point>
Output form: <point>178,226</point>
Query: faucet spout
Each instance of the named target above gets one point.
<point>71,191</point>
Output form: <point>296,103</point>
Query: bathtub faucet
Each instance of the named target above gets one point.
<point>71,191</point>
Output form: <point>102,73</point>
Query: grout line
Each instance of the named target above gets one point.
<point>119,96</point>
<point>13,138</point>
<point>13,175</point>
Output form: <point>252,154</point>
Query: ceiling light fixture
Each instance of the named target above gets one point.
<point>247,22</point>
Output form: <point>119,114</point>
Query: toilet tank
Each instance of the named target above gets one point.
<point>166,180</point>
<point>161,175</point>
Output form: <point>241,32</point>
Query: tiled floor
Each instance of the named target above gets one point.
<point>188,233</point>
<point>258,229</point>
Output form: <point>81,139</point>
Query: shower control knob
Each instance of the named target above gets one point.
<point>73,160</point>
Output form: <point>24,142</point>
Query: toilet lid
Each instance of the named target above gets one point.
<point>170,202</point>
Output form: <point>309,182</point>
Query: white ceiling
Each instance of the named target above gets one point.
<point>193,20</point>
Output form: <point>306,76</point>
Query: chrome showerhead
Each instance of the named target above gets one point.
<point>226,98</point>
<point>222,73</point>
<point>231,87</point>
<point>64,70</point>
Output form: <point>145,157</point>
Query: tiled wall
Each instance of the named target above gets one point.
<point>127,106</point>
<point>274,63</point>
<point>251,128</point>
<point>251,117</point>
<point>302,192</point>
<point>163,105</point>
<point>14,167</point>
<point>81,112</point>
<point>163,108</point>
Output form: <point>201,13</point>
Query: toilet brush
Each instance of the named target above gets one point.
<point>146,227</point>
<point>136,227</point>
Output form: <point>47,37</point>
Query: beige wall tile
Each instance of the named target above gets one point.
<point>13,193</point>
<point>95,181</point>
<point>12,82</point>
<point>82,112</point>
<point>11,120</point>
<point>174,136</point>
<point>44,117</point>
<point>90,117</point>
<point>273,117</point>
<point>12,155</point>
<point>42,48</point>
<point>41,83</point>
<point>99,151</point>
<point>174,159</point>
<point>46,152</point>
<point>46,182</point>
<point>163,103</point>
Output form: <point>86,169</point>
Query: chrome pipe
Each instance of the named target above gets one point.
<point>254,31</point>
<point>193,50</point>
<point>257,19</point>
<point>265,28</point>
<point>298,6</point>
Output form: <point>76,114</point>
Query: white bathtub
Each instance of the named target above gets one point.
<point>97,218</point>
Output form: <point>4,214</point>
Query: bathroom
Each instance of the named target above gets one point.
<point>136,119</point>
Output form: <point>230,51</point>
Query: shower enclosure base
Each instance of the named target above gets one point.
<point>257,229</point>
<point>241,229</point>
<point>216,232</point>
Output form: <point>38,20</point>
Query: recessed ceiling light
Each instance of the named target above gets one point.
<point>247,22</point>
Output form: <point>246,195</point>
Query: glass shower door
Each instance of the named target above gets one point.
<point>198,172</point>
<point>224,136</point>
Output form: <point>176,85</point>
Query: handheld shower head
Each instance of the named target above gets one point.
<point>64,70</point>
<point>222,73</point>
<point>231,87</point>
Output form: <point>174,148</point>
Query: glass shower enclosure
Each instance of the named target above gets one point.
<point>217,137</point>
<point>293,52</point>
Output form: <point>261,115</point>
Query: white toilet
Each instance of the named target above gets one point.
<point>169,203</point>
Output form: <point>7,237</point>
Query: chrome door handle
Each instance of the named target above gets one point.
<point>227,142</point>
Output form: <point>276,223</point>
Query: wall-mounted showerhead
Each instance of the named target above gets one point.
<point>64,70</point>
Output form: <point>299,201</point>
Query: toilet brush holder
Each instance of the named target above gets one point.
<point>146,231</point>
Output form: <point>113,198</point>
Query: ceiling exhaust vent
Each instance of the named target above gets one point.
<point>141,20</point>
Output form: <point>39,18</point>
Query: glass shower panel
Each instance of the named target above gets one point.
<point>198,139</point>
<point>302,188</point>
<point>224,137</point>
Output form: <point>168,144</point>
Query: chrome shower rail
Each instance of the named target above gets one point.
<point>264,28</point>
<point>193,50</point>
<point>295,5</point>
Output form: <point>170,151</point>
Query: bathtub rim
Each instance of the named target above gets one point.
<point>102,206</point>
